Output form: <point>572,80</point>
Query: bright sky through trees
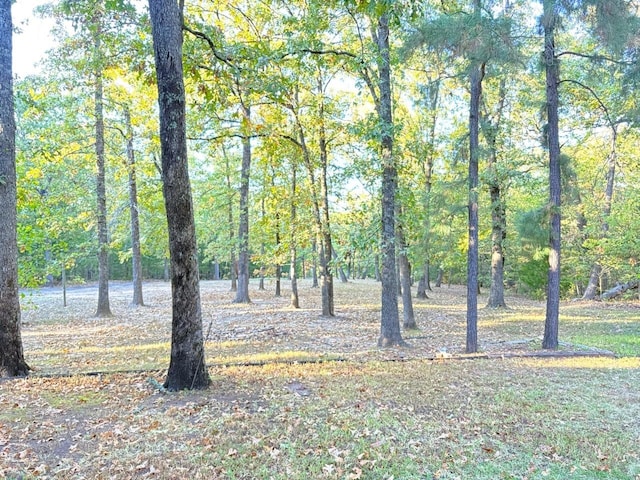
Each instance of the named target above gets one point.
<point>31,39</point>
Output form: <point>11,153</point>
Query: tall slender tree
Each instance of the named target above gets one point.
<point>136,256</point>
<point>476,76</point>
<point>390,322</point>
<point>104,308</point>
<point>187,369</point>
<point>549,22</point>
<point>12,361</point>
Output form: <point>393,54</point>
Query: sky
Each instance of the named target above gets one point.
<point>32,39</point>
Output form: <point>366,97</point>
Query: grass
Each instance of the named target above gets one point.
<point>370,417</point>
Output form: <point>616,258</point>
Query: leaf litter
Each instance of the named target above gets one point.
<point>283,417</point>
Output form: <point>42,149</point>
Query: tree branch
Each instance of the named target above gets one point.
<point>595,95</point>
<point>593,57</point>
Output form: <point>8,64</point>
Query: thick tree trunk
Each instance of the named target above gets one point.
<point>477,74</point>
<point>550,339</point>
<point>187,368</point>
<point>12,361</point>
<point>389,319</point>
<point>242,292</point>
<point>103,309</point>
<point>136,256</point>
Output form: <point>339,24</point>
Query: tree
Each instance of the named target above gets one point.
<point>549,22</point>
<point>12,361</point>
<point>103,310</point>
<point>498,210</point>
<point>476,76</point>
<point>389,322</point>
<point>136,257</point>
<point>187,368</point>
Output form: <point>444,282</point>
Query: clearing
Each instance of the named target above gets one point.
<point>298,396</point>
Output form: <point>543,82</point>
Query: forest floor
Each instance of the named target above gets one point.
<point>295,395</point>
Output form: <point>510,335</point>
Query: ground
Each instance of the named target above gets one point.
<point>296,395</point>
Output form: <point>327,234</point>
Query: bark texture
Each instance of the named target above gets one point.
<point>389,319</point>
<point>104,309</point>
<point>477,74</point>
<point>550,338</point>
<point>187,368</point>
<point>12,361</point>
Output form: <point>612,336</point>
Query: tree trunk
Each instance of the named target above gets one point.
<point>439,277</point>
<point>498,234</point>
<point>64,286</point>
<point>166,270</point>
<point>232,255</point>
<point>295,301</point>
<point>550,339</point>
<point>409,320</point>
<point>498,211</point>
<point>216,270</point>
<point>344,277</point>
<point>619,289</point>
<point>389,319</point>
<point>103,309</point>
<point>278,292</point>
<point>136,257</point>
<point>326,283</point>
<point>477,73</point>
<point>314,271</point>
<point>320,209</point>
<point>328,307</point>
<point>12,361</point>
<point>242,292</point>
<point>187,368</point>
<point>423,283</point>
<point>593,286</point>
<point>434,95</point>
<point>262,248</point>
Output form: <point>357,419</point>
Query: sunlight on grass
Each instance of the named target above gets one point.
<point>266,357</point>
<point>627,363</point>
<point>164,346</point>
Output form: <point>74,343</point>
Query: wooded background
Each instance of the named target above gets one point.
<point>285,119</point>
